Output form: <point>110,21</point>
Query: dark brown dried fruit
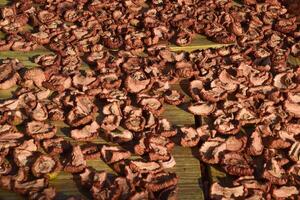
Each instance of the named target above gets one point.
<point>75,162</point>
<point>56,145</point>
<point>40,130</point>
<point>189,137</point>
<point>173,97</point>
<point>44,165</point>
<point>8,77</point>
<point>112,154</point>
<point>162,181</point>
<point>88,132</point>
<point>218,191</point>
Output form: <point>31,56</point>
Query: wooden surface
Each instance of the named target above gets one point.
<point>187,167</point>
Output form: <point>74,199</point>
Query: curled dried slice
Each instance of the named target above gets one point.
<point>294,152</point>
<point>159,148</point>
<point>218,191</point>
<point>86,178</point>
<point>236,143</point>
<point>142,166</point>
<point>113,42</point>
<point>75,162</point>
<point>47,193</point>
<point>91,151</point>
<point>256,145</point>
<point>173,97</point>
<point>295,50</point>
<point>112,108</point>
<point>284,81</point>
<point>39,112</point>
<point>292,108</point>
<point>251,184</point>
<point>82,115</point>
<point>135,123</point>
<point>227,125</point>
<point>58,82</point>
<point>223,37</point>
<point>195,88</point>
<point>112,154</point>
<point>294,97</point>
<point>88,132</point>
<point>247,116</point>
<point>137,82</point>
<point>36,75</point>
<point>151,120</point>
<point>285,192</point>
<point>24,46</point>
<point>120,137</point>
<point>140,147</point>
<point>9,133</point>
<point>184,69</point>
<point>40,130</point>
<point>55,112</point>
<point>8,11</point>
<point>84,82</point>
<point>5,45</point>
<point>56,145</point>
<point>162,181</point>
<point>8,76</point>
<point>183,38</point>
<point>168,163</point>
<point>165,128</point>
<point>202,108</point>
<point>30,186</point>
<point>274,172</point>
<point>71,16</point>
<point>25,153</point>
<point>236,164</point>
<point>5,168</point>
<point>286,25</point>
<point>277,143</point>
<point>41,38</point>
<point>216,94</point>
<point>46,16</point>
<point>110,81</point>
<point>48,60</point>
<point>211,149</point>
<point>44,165</point>
<point>189,137</point>
<point>293,172</point>
<point>154,105</point>
<point>111,122</point>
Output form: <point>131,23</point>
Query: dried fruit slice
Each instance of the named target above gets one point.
<point>202,108</point>
<point>112,154</point>
<point>40,130</point>
<point>75,162</point>
<point>218,191</point>
<point>87,133</point>
<point>44,165</point>
<point>8,77</point>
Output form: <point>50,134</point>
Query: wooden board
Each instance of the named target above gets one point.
<point>187,167</point>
